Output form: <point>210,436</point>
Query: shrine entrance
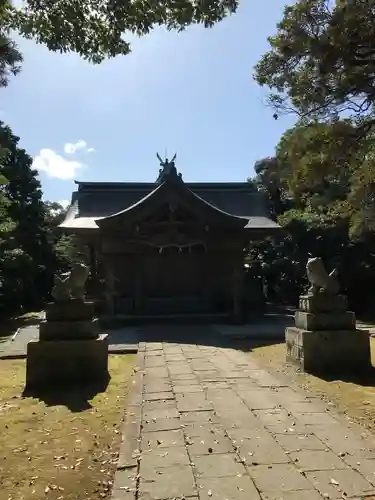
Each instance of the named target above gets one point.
<point>172,280</point>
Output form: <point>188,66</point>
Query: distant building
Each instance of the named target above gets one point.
<point>168,247</point>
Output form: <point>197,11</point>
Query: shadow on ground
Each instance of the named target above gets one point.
<point>264,328</point>
<point>209,335</point>
<point>364,377</point>
<point>124,337</point>
<point>76,399</point>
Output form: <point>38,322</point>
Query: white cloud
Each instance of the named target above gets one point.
<point>81,145</point>
<point>55,165</point>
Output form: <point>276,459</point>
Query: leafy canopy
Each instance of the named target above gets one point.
<point>10,57</point>
<point>26,255</point>
<point>320,188</point>
<point>322,59</point>
<point>95,28</point>
<point>321,66</point>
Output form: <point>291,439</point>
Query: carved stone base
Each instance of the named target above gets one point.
<point>328,351</point>
<point>70,310</point>
<point>336,320</point>
<point>322,302</point>
<point>68,330</point>
<point>372,349</point>
<point>76,362</point>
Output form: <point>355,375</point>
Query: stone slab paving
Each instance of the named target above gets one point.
<point>208,423</point>
<point>121,340</point>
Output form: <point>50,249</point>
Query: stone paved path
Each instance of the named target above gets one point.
<point>208,423</point>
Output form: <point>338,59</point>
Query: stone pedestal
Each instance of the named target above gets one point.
<point>67,362</point>
<point>325,338</point>
<point>70,349</point>
<point>65,330</point>
<point>372,349</point>
<point>335,320</point>
<point>322,302</point>
<point>339,351</point>
<point>71,319</point>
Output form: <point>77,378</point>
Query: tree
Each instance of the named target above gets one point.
<point>66,247</point>
<point>95,30</point>
<point>317,162</point>
<point>315,174</point>
<point>54,214</point>
<point>26,254</point>
<point>272,184</point>
<point>10,57</point>
<point>322,61</point>
<point>321,66</point>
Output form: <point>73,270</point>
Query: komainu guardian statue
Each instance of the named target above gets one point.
<point>319,279</point>
<point>71,285</point>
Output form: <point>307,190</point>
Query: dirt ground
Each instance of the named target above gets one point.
<point>355,397</point>
<point>65,446</point>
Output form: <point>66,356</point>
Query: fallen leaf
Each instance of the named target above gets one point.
<point>209,493</point>
<point>333,481</point>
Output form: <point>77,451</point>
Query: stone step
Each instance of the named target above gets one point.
<point>128,319</point>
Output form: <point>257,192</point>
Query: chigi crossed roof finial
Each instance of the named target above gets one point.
<point>168,168</point>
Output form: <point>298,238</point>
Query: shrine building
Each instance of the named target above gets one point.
<point>168,247</point>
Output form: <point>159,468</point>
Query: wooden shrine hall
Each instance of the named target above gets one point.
<point>168,247</point>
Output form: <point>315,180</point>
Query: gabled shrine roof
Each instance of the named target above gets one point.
<point>94,201</point>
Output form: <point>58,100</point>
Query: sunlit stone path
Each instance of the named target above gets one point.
<point>207,422</point>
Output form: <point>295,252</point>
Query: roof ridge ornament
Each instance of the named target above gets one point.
<point>168,170</point>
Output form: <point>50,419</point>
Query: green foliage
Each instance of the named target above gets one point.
<point>26,255</point>
<point>325,205</point>
<point>10,57</point>
<point>270,182</point>
<point>67,251</point>
<point>95,30</point>
<point>66,248</point>
<point>321,62</point>
<point>317,155</point>
<point>321,66</point>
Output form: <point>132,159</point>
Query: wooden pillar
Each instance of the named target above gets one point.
<point>208,273</point>
<point>138,284</point>
<point>93,263</point>
<point>92,284</point>
<point>110,289</point>
<point>238,282</point>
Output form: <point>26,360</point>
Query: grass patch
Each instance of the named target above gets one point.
<point>52,451</point>
<point>355,397</point>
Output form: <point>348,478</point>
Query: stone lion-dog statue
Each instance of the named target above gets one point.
<point>71,285</point>
<point>319,279</point>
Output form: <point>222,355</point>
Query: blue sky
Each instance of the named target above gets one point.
<point>190,93</point>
